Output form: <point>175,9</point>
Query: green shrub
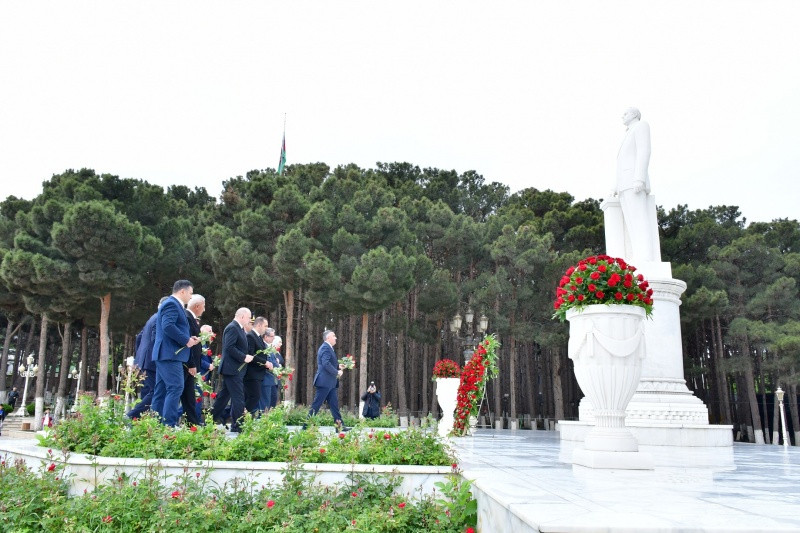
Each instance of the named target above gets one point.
<point>38,501</point>
<point>103,430</point>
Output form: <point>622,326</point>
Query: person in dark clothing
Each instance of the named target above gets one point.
<point>372,402</point>
<point>13,396</point>
<point>144,362</point>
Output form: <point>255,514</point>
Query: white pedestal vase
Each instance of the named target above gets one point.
<point>446,395</point>
<point>606,344</point>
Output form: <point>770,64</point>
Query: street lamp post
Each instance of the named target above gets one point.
<point>470,340</point>
<point>27,373</point>
<point>779,393</point>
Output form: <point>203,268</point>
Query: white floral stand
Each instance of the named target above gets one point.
<point>606,344</point>
<point>446,395</point>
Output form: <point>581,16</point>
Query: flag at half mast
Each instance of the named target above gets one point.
<point>282,162</point>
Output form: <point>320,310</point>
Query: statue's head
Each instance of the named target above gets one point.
<point>630,115</point>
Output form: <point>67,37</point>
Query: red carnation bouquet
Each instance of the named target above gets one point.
<point>601,279</point>
<point>446,368</point>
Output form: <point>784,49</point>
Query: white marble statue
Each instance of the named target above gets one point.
<point>632,189</point>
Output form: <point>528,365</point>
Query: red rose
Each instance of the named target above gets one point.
<point>571,298</point>
<point>193,429</point>
<point>387,436</point>
<point>270,504</point>
<point>51,467</point>
<point>640,277</point>
<point>582,267</point>
<point>322,450</point>
<point>600,295</point>
<point>601,268</point>
<point>213,395</point>
<point>198,400</point>
<point>580,297</point>
<point>592,260</point>
<point>205,393</point>
<point>592,287</point>
<point>630,297</point>
<point>570,270</point>
<point>627,284</point>
<point>341,435</point>
<point>618,296</point>
<point>401,505</point>
<point>595,275</point>
<point>578,280</point>
<point>176,494</point>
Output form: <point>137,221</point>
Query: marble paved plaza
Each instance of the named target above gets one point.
<point>524,482</point>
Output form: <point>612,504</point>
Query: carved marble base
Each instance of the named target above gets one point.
<point>612,460</point>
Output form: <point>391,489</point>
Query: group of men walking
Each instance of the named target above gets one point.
<point>170,352</point>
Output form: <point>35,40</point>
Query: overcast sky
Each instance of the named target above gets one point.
<point>529,94</point>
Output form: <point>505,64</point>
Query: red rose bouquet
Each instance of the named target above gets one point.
<point>446,368</point>
<point>601,279</point>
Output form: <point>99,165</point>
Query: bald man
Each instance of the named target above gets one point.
<point>234,355</point>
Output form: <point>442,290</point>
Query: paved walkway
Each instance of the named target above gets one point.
<point>525,483</point>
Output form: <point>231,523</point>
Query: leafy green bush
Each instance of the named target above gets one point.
<point>103,430</point>
<point>30,409</point>
<point>38,501</point>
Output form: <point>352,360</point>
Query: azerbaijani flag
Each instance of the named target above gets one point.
<point>282,162</point>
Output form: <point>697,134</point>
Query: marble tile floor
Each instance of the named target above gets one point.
<point>524,482</point>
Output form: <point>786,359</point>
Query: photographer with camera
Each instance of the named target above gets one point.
<point>372,402</point>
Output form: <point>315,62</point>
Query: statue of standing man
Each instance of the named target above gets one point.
<point>632,189</point>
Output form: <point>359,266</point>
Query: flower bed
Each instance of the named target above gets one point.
<point>39,499</point>
<point>105,432</point>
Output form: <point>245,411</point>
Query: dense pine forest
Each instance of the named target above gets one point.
<point>386,257</point>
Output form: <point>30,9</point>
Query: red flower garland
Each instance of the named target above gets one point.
<point>482,366</point>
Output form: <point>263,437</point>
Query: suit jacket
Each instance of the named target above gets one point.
<point>255,369</point>
<point>146,340</point>
<point>234,350</point>
<point>634,157</point>
<point>196,350</point>
<point>327,376</point>
<point>172,332</point>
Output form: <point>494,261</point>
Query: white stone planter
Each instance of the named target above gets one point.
<point>606,344</point>
<point>446,395</point>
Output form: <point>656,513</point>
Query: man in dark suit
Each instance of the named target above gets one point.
<point>171,351</point>
<point>258,369</point>
<point>234,354</point>
<point>194,310</point>
<point>143,360</point>
<point>326,380</point>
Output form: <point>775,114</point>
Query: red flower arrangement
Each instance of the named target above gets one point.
<point>446,368</point>
<point>601,279</point>
<point>480,368</point>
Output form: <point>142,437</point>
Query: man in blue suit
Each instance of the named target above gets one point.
<point>326,380</point>
<point>145,341</point>
<point>171,350</point>
<point>232,368</point>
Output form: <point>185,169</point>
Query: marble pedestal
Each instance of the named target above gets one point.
<point>663,411</point>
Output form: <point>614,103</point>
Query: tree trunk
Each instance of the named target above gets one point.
<point>288,342</point>
<point>11,330</point>
<point>794,412</point>
<point>426,373</point>
<point>84,370</point>
<point>400,370</point>
<point>512,375</point>
<point>558,389</point>
<point>102,377</point>
<point>61,409</point>
<point>382,351</point>
<point>39,396</point>
<point>362,357</point>
<point>722,377</point>
<point>311,357</point>
<point>750,391</point>
<point>28,347</point>
<point>776,423</point>
<point>763,388</point>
